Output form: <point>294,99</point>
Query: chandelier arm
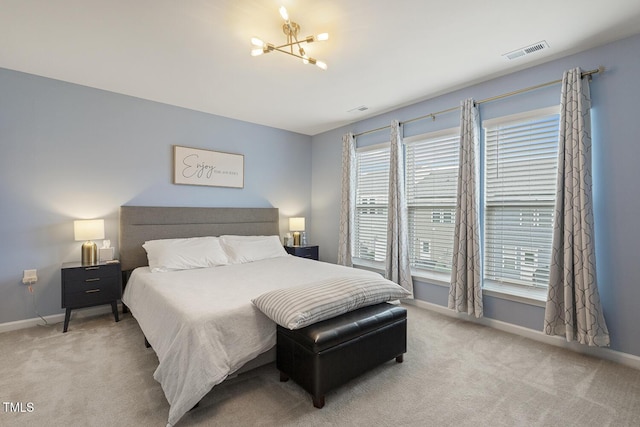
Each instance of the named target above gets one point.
<point>290,44</point>
<point>308,59</point>
<point>289,53</point>
<point>297,42</point>
<point>292,34</point>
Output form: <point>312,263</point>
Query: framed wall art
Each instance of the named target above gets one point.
<point>194,166</point>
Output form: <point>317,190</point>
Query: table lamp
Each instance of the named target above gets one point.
<point>87,230</point>
<point>296,225</point>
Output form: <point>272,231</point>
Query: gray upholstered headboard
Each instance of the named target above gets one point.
<point>141,223</point>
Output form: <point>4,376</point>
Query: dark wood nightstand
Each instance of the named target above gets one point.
<point>90,285</point>
<point>303,251</point>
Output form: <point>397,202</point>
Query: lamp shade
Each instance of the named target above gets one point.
<point>296,224</point>
<point>88,229</point>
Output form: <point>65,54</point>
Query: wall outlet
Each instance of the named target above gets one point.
<point>30,277</point>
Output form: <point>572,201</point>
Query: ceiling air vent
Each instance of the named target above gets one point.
<point>360,108</point>
<point>526,50</point>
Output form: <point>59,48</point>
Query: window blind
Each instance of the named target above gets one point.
<point>520,187</point>
<point>372,188</point>
<point>431,183</point>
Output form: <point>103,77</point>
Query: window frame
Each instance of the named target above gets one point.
<point>535,295</point>
<point>441,277</point>
<point>357,260</point>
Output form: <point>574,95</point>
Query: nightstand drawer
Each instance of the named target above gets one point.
<point>81,285</point>
<point>91,296</point>
<point>88,273</point>
<point>310,251</point>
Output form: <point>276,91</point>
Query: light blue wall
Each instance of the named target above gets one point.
<point>616,156</point>
<point>69,152</point>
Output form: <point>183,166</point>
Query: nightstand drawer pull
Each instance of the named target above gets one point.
<point>92,291</point>
<point>92,268</point>
<point>94,279</point>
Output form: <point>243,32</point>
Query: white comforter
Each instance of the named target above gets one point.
<point>202,324</point>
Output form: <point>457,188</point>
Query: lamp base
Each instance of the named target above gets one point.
<point>89,253</point>
<point>296,238</point>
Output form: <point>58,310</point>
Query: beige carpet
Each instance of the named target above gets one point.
<point>455,374</point>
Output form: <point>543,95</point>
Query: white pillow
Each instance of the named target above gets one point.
<point>184,254</point>
<point>241,249</point>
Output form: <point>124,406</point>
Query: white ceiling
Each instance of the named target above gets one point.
<point>381,53</point>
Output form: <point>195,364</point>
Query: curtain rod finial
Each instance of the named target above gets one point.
<point>601,69</point>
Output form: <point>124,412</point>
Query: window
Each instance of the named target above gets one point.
<point>432,183</point>
<point>519,190</point>
<point>520,187</point>
<point>372,187</point>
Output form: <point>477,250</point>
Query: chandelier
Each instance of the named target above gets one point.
<point>293,46</point>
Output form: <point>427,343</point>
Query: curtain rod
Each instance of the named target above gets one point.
<point>600,69</point>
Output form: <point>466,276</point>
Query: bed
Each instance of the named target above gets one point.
<point>202,322</point>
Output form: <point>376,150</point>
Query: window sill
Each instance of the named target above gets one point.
<point>530,296</point>
<point>440,279</point>
<point>377,266</point>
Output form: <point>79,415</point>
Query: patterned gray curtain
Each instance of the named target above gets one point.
<point>397,267</point>
<point>573,305</point>
<point>348,203</point>
<point>465,293</point>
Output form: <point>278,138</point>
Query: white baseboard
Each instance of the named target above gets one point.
<point>603,353</point>
<point>53,319</point>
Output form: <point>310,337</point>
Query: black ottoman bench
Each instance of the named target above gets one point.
<point>327,354</point>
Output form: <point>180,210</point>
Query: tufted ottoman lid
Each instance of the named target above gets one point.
<point>337,330</point>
